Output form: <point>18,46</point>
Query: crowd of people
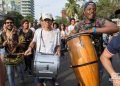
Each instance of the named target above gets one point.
<point>19,46</point>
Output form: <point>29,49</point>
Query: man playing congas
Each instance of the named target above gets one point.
<point>94,25</point>
<point>47,41</point>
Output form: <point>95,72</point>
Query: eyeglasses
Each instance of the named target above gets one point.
<point>9,22</point>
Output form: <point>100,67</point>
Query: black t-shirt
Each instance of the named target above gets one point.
<point>24,39</point>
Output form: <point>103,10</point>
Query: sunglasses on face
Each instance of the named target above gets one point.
<point>47,20</point>
<point>9,22</point>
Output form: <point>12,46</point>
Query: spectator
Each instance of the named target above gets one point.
<point>26,36</point>
<point>71,26</point>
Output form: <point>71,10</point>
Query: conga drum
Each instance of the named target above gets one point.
<point>83,59</point>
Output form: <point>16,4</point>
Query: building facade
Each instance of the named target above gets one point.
<point>1,6</point>
<point>1,12</point>
<point>11,5</point>
<point>24,7</point>
<point>27,7</point>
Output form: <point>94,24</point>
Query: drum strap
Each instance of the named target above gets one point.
<point>75,66</point>
<point>57,39</point>
<point>40,40</point>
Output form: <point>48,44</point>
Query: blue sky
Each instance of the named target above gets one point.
<point>48,6</point>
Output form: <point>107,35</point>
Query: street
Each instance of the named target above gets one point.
<point>66,75</point>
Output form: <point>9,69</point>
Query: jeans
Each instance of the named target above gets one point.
<point>28,62</point>
<point>2,53</point>
<point>11,73</point>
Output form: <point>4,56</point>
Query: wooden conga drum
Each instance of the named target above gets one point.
<point>83,59</point>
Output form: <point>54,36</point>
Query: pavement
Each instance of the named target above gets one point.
<point>66,75</point>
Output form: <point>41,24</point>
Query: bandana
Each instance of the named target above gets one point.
<point>89,3</point>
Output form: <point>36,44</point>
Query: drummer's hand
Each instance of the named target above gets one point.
<point>58,52</point>
<point>116,79</point>
<point>28,51</point>
<point>66,36</point>
<point>5,42</point>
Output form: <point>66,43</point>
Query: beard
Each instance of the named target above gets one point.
<point>10,28</point>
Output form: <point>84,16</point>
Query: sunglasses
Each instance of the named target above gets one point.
<point>9,22</point>
<point>47,20</point>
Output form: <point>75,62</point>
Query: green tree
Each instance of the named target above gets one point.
<point>17,17</point>
<point>30,18</point>
<point>107,8</point>
<point>72,8</point>
<point>60,20</point>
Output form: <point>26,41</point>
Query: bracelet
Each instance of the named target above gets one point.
<point>94,30</point>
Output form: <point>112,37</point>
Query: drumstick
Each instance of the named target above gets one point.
<point>15,54</point>
<point>78,34</point>
<point>83,32</point>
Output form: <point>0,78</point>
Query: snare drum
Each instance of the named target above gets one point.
<point>46,65</point>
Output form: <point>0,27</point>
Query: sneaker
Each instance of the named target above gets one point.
<point>16,75</point>
<point>44,84</point>
<point>30,73</point>
<point>56,83</point>
<point>21,81</point>
<point>25,69</point>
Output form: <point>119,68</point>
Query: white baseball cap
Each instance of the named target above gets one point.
<point>47,16</point>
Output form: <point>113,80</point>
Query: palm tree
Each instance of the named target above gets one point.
<point>116,1</point>
<point>106,8</point>
<point>72,8</point>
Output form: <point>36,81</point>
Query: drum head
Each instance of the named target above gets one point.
<point>76,35</point>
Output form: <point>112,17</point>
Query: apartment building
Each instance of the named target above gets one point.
<point>27,7</point>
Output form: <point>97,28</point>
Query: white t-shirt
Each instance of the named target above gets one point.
<point>63,34</point>
<point>69,29</point>
<point>57,29</point>
<point>46,42</point>
<point>33,29</point>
